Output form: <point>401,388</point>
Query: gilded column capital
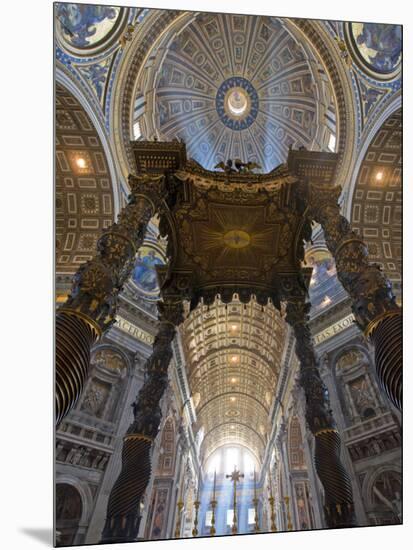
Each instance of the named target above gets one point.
<point>91,306</point>
<point>364,281</point>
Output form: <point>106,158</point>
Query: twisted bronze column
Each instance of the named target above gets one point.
<point>91,307</point>
<point>122,519</point>
<point>338,505</point>
<point>374,304</point>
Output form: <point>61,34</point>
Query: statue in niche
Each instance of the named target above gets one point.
<point>94,399</point>
<point>361,394</point>
<point>301,507</point>
<point>158,521</point>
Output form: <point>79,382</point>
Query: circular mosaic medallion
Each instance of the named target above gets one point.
<point>144,273</point>
<point>376,47</point>
<point>237,103</point>
<point>85,29</point>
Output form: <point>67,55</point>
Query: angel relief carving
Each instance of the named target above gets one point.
<point>351,358</point>
<point>110,360</point>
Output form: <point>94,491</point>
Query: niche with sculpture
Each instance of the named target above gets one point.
<point>356,386</point>
<point>106,385</point>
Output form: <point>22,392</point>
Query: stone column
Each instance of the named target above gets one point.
<point>374,304</point>
<point>91,307</point>
<point>122,519</point>
<point>338,503</point>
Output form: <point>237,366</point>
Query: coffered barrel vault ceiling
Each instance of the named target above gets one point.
<point>234,86</point>
<point>234,354</point>
<point>84,197</point>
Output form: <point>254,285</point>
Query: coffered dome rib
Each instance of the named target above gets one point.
<point>284,93</point>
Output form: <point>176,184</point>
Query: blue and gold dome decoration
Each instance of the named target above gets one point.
<point>237,86</point>
<point>237,103</point>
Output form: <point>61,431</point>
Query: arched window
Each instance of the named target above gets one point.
<point>223,460</point>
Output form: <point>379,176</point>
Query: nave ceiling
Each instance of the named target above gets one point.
<point>233,354</point>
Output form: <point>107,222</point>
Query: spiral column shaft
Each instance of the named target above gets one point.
<point>91,306</point>
<point>338,505</point>
<point>386,336</point>
<point>374,304</point>
<point>123,512</point>
<point>74,338</point>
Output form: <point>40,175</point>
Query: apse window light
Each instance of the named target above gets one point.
<point>251,516</point>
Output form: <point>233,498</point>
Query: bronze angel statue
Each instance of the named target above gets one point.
<point>242,167</point>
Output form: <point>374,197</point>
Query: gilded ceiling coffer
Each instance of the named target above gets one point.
<point>338,495</point>
<point>91,307</point>
<point>123,519</point>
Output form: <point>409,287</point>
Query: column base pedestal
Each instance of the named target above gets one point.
<point>122,522</point>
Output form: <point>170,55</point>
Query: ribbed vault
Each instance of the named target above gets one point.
<point>233,355</point>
